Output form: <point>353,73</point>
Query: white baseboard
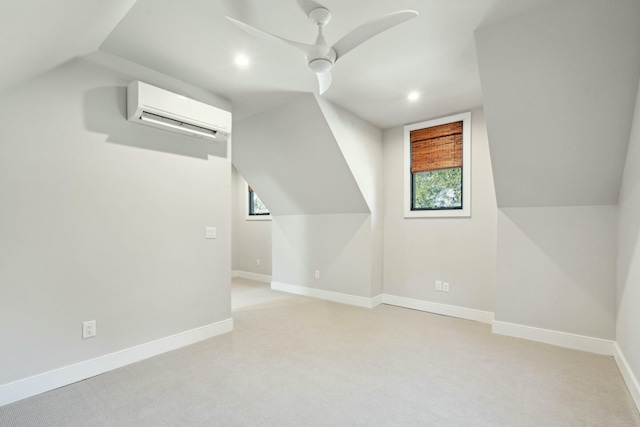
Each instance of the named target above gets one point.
<point>377,300</point>
<point>437,308</point>
<point>251,276</point>
<point>31,386</point>
<point>326,295</point>
<point>628,375</point>
<point>562,339</point>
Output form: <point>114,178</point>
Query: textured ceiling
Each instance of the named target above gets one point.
<point>433,54</point>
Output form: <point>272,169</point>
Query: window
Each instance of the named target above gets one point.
<point>256,209</point>
<point>438,167</point>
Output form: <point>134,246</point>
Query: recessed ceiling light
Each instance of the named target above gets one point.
<point>413,96</point>
<point>241,60</point>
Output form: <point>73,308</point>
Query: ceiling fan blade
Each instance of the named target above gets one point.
<point>268,36</point>
<point>366,31</point>
<point>324,81</point>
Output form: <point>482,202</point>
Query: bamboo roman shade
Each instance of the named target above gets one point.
<point>437,147</point>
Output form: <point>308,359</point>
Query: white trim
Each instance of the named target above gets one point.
<point>437,308</point>
<point>627,374</point>
<point>377,300</point>
<point>562,339</point>
<point>466,168</point>
<point>31,386</point>
<point>258,217</point>
<point>326,295</point>
<point>251,276</point>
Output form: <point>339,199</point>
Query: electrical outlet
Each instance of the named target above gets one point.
<point>88,329</point>
<point>445,287</point>
<point>258,262</point>
<point>210,233</point>
<point>438,285</point>
<point>317,274</point>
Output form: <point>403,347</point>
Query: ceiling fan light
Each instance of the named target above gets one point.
<point>320,65</point>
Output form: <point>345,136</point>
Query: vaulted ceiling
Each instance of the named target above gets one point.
<point>192,41</point>
<point>558,76</point>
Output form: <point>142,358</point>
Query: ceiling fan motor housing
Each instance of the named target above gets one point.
<point>321,57</point>
<point>320,65</point>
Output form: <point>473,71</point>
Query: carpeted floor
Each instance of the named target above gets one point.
<point>295,361</point>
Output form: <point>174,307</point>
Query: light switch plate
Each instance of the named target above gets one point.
<point>210,233</point>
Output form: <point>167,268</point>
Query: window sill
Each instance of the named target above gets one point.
<point>258,217</point>
<point>445,213</point>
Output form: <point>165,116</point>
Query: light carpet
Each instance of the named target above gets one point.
<point>296,361</point>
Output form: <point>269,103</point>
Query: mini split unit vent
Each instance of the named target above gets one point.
<point>152,106</point>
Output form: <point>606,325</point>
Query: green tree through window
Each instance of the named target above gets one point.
<point>439,189</point>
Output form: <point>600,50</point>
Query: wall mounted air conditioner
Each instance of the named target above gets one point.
<point>152,106</point>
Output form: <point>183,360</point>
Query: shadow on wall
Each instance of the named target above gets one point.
<point>106,112</point>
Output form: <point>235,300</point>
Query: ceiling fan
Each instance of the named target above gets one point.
<point>320,56</point>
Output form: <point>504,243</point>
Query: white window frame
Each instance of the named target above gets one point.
<point>466,168</point>
<point>250,217</point>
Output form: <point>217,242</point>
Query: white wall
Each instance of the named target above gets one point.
<point>628,289</point>
<point>103,219</point>
<point>251,239</point>
<point>556,269</point>
<point>345,248</point>
<point>318,169</point>
<point>461,251</point>
<point>559,85</point>
<point>339,246</point>
<point>361,145</point>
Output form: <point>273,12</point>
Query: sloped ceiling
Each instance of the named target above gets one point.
<point>37,35</point>
<point>434,53</point>
<point>190,40</point>
<point>361,147</point>
<point>559,87</point>
<point>290,157</point>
